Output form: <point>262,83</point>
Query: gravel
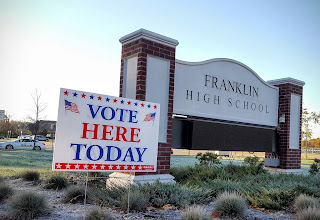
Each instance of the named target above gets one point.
<point>58,210</point>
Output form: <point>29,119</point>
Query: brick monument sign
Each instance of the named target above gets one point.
<point>218,104</point>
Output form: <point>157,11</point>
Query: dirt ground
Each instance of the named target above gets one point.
<point>58,210</point>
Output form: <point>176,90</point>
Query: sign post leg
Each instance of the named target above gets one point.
<point>129,193</point>
<point>85,196</point>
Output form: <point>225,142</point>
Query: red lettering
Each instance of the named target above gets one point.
<point>133,134</point>
<point>85,130</point>
<point>105,132</point>
<point>122,134</point>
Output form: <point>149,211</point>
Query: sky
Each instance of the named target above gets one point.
<point>48,45</point>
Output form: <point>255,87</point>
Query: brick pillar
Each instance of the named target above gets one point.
<point>139,50</point>
<point>290,114</point>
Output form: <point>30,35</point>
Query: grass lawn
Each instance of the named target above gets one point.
<point>13,162</point>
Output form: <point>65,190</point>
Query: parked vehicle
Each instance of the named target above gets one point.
<point>23,144</point>
<point>42,138</point>
<point>1,137</point>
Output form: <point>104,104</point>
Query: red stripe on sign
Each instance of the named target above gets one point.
<point>107,167</point>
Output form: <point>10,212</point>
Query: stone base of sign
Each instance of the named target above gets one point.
<point>273,170</point>
<point>125,178</point>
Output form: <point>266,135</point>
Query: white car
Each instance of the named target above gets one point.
<point>23,144</point>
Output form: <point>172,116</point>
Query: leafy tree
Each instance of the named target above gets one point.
<point>308,117</point>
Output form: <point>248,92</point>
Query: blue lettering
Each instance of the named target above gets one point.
<point>109,153</point>
<point>113,113</point>
<point>121,113</point>
<point>78,150</point>
<point>89,153</point>
<point>140,154</point>
<point>130,155</point>
<point>133,116</point>
<point>91,110</point>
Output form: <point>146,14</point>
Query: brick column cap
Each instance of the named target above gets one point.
<point>285,81</point>
<point>149,35</point>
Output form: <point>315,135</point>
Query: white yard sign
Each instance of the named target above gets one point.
<point>103,133</point>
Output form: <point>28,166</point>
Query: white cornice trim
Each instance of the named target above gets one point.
<point>285,81</point>
<point>226,60</point>
<point>149,35</point>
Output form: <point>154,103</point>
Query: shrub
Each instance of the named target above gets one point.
<point>315,167</point>
<point>110,196</point>
<point>231,204</point>
<point>97,214</point>
<point>303,202</point>
<point>75,195</point>
<point>30,175</point>
<point>160,194</point>
<point>310,213</point>
<point>252,161</point>
<point>56,182</point>
<point>5,191</point>
<point>195,213</point>
<point>27,206</point>
<point>137,201</point>
<point>207,159</point>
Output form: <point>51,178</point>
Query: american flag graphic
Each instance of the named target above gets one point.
<point>150,117</point>
<point>71,106</point>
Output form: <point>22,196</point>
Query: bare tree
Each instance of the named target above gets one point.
<point>39,107</point>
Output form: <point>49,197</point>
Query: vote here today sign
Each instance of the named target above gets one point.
<point>103,133</point>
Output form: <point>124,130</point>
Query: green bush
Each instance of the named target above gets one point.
<point>195,213</point>
<point>56,182</point>
<point>315,167</point>
<point>252,161</point>
<point>27,206</point>
<point>30,175</point>
<point>137,201</point>
<point>109,196</point>
<point>5,191</point>
<point>207,159</point>
<point>310,213</point>
<point>97,214</point>
<point>75,195</point>
<point>230,204</point>
<point>304,202</point>
<point>160,194</point>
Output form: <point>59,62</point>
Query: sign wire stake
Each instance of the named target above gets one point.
<point>129,193</point>
<point>85,196</point>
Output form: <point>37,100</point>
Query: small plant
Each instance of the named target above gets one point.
<point>315,167</point>
<point>5,191</point>
<point>304,202</point>
<point>27,206</point>
<point>230,204</point>
<point>195,213</point>
<point>30,175</point>
<point>137,201</point>
<point>310,213</point>
<point>207,159</point>
<point>56,182</point>
<point>98,214</point>
<point>252,161</point>
<point>75,195</point>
